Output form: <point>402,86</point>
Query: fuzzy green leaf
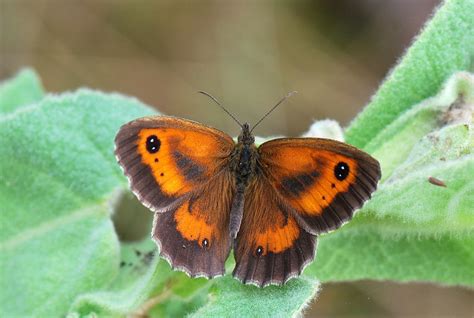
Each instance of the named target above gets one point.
<point>355,254</point>
<point>410,202</point>
<point>57,177</point>
<point>146,285</point>
<point>139,275</point>
<point>25,88</point>
<point>229,297</point>
<point>404,132</point>
<point>413,229</point>
<point>445,46</point>
<point>174,294</point>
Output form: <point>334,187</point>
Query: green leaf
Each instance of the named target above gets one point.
<point>413,229</point>
<point>410,201</point>
<point>404,132</point>
<point>368,253</point>
<point>445,46</point>
<point>146,285</point>
<point>58,176</point>
<point>24,89</point>
<point>172,294</point>
<point>140,273</point>
<point>182,296</point>
<point>230,297</point>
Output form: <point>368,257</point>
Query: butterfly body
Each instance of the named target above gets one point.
<point>269,203</point>
<point>244,158</point>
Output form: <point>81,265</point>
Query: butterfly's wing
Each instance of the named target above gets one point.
<point>167,158</point>
<point>322,180</point>
<point>270,247</point>
<point>194,237</point>
<point>303,187</point>
<point>179,169</point>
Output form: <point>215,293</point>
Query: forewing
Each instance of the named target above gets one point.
<point>324,181</point>
<point>167,158</point>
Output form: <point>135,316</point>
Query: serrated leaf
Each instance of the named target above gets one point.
<point>24,89</point>
<point>57,177</point>
<point>445,46</point>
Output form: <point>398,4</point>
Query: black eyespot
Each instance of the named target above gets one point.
<point>341,171</point>
<point>324,198</point>
<point>259,251</point>
<point>153,144</point>
<point>205,243</point>
<point>162,174</point>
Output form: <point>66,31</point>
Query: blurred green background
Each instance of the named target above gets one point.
<point>248,54</point>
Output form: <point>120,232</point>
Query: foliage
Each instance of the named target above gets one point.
<point>413,229</point>
<point>59,183</point>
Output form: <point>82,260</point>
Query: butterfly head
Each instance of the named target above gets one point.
<point>246,136</point>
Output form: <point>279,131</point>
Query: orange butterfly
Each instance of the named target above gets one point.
<point>210,194</point>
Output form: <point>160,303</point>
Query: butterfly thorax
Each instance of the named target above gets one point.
<point>244,158</point>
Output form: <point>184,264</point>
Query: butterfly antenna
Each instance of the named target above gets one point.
<point>217,102</point>
<point>273,108</point>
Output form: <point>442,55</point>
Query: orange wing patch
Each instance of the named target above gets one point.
<point>192,227</point>
<point>180,159</point>
<point>310,182</point>
<point>278,238</point>
<point>266,227</point>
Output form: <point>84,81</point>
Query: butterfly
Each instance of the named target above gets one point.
<point>210,195</point>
